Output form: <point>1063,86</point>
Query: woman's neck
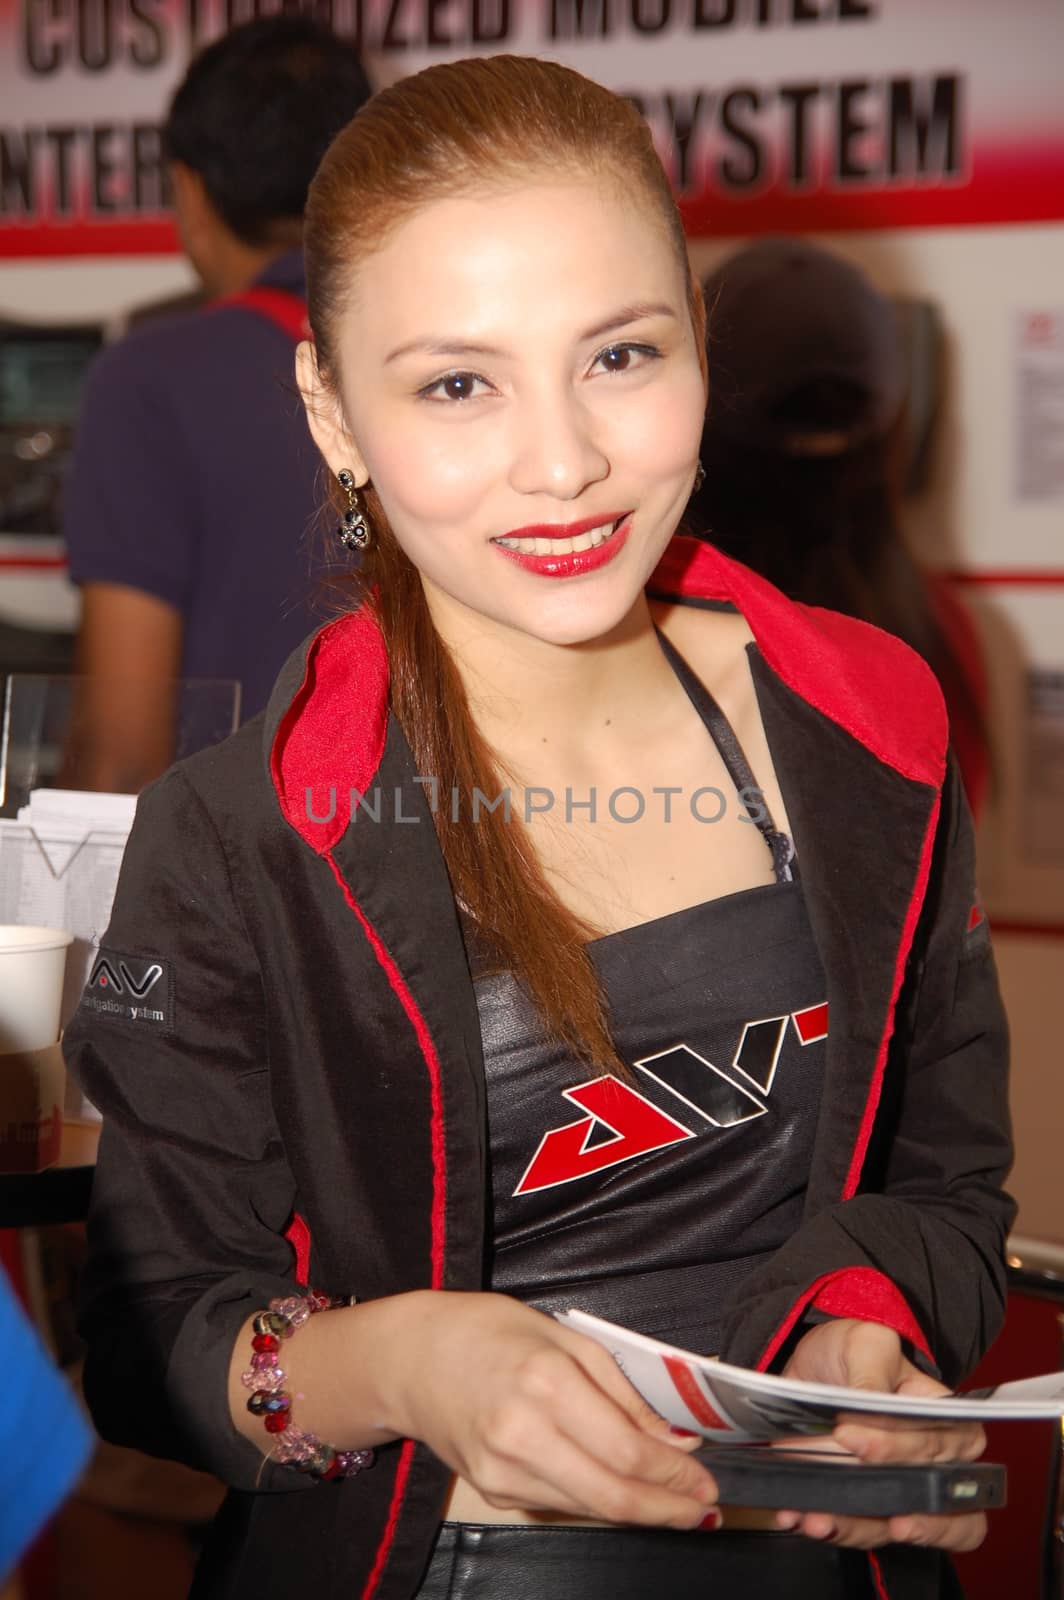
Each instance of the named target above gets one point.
<point>533,700</point>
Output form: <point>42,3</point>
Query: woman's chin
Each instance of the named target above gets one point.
<point>580,623</point>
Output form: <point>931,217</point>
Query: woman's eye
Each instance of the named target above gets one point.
<point>625,357</point>
<point>455,386</point>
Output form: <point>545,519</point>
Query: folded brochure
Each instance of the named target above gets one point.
<point>732,1403</point>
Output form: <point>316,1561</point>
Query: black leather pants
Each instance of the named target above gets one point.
<point>475,1561</point>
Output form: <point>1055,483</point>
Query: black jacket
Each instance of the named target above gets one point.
<point>309,1049</point>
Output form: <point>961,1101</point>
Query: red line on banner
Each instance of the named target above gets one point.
<point>1022,182</point>
<point>42,239</point>
<point>33,563</point>
<point>1012,577</point>
<point>1028,930</point>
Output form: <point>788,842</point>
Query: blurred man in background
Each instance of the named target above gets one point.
<point>193,481</point>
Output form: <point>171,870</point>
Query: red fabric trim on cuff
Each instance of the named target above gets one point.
<point>859,1292</point>
<point>768,1355</point>
<point>868,1295</point>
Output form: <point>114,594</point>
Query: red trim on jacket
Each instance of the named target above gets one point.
<point>912,916</point>
<point>853,1292</point>
<point>772,1349</point>
<point>432,1062</point>
<point>859,1292</point>
<point>402,1472</point>
<point>298,1235</point>
<point>439,1193</point>
<point>331,739</point>
<point>851,671</point>
<point>877,1577</point>
<point>868,1295</point>
<point>854,673</point>
<point>907,1326</point>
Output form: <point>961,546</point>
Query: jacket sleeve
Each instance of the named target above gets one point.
<point>921,1246</point>
<point>192,1192</point>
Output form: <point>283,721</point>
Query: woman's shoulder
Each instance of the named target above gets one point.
<point>715,634</point>
<point>865,680</point>
<point>225,782</point>
<point>323,730</point>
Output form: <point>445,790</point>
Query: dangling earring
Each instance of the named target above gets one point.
<point>700,478</point>
<point>354,531</point>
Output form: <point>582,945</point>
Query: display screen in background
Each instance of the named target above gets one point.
<point>41,379</point>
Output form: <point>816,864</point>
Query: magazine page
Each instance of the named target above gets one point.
<point>732,1403</point>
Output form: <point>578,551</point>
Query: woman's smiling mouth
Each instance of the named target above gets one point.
<point>555,552</point>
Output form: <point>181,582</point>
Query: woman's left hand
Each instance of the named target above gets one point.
<point>865,1355</point>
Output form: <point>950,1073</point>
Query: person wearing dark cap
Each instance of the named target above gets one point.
<point>194,475</point>
<point>802,458</point>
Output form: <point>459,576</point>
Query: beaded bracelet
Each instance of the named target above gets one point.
<point>271,1401</point>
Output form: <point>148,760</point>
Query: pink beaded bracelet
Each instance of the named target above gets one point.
<point>270,1400</point>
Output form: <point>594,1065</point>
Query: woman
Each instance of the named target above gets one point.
<point>505,765</point>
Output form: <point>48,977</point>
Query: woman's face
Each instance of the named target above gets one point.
<point>519,381</point>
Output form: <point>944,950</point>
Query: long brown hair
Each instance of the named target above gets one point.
<point>442,132</point>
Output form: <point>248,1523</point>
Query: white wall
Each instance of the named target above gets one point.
<point>91,290</point>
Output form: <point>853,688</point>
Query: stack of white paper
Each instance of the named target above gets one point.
<point>81,809</point>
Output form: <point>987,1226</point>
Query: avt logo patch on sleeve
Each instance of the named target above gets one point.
<point>131,989</point>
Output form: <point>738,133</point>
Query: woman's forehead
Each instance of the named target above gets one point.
<point>542,253</point>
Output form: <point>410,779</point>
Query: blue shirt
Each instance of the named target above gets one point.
<point>194,479</point>
<point>44,1441</point>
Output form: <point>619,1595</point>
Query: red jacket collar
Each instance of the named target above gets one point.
<point>853,672</point>
<point>330,736</point>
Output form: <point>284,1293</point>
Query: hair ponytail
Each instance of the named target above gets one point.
<point>437,133</point>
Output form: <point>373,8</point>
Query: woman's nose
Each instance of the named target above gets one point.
<point>555,449</point>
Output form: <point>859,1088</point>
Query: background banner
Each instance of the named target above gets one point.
<point>772,115</point>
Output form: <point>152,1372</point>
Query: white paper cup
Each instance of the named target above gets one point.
<point>32,962</point>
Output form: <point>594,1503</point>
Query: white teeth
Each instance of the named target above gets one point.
<point>561,547</point>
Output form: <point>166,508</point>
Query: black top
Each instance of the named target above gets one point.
<point>324,1058</point>
<point>700,1166</point>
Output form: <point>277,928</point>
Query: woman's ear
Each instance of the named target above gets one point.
<point>325,417</point>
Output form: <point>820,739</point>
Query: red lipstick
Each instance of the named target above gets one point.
<point>573,563</point>
<point>563,530</point>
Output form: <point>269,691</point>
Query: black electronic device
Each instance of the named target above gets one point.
<point>841,1485</point>
<point>42,372</point>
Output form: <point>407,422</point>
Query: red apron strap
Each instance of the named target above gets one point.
<point>284,309</point>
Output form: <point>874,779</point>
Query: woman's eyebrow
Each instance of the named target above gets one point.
<point>442,347</point>
<point>626,315</point>
<point>621,318</point>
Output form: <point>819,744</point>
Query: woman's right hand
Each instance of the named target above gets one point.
<point>536,1417</point>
